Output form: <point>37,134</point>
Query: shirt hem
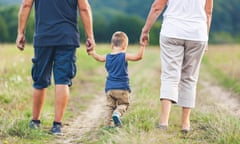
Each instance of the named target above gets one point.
<point>184,38</point>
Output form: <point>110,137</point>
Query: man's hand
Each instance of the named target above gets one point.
<point>20,41</point>
<point>90,45</point>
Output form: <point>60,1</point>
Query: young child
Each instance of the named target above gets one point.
<point>117,84</point>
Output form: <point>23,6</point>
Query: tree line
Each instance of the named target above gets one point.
<point>103,29</point>
<point>225,24</point>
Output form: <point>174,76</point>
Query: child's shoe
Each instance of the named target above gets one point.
<point>116,119</point>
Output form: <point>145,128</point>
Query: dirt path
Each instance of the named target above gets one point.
<point>213,97</point>
<point>87,121</point>
<point>210,97</point>
<point>91,119</point>
<point>218,98</point>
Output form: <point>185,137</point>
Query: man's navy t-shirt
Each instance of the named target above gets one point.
<point>56,23</point>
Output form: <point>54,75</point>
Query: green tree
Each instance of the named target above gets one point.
<point>100,27</point>
<point>30,29</point>
<point>154,33</point>
<point>131,25</point>
<point>4,36</point>
<point>10,15</point>
<point>109,16</point>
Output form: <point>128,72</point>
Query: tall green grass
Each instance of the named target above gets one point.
<point>223,63</point>
<point>209,127</point>
<point>16,93</point>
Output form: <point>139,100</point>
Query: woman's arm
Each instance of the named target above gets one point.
<point>155,11</point>
<point>209,10</point>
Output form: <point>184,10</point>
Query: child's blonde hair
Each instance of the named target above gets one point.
<point>119,39</point>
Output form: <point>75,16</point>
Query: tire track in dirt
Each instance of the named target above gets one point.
<point>210,97</point>
<point>87,121</point>
<point>219,98</point>
<point>91,119</point>
<point>213,97</point>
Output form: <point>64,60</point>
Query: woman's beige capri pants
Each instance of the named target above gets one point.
<point>180,60</point>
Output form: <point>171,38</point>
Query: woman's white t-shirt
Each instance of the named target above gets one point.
<point>185,19</point>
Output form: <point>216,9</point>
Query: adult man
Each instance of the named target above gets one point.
<point>55,41</point>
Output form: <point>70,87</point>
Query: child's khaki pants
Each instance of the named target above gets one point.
<point>117,101</point>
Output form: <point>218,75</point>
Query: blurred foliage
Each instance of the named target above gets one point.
<point>128,16</point>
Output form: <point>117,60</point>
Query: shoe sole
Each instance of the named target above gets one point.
<point>117,121</point>
<point>162,127</point>
<point>34,126</point>
<point>56,134</point>
<point>186,131</point>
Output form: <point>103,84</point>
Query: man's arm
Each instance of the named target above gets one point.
<point>86,17</point>
<point>155,11</point>
<point>209,10</point>
<point>23,15</point>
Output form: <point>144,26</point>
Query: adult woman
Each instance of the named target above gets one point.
<point>183,40</point>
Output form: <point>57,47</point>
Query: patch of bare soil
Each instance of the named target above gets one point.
<point>213,97</point>
<point>87,121</point>
<point>91,119</point>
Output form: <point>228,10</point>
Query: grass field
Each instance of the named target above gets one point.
<point>223,62</point>
<point>211,124</point>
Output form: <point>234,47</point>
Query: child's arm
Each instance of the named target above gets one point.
<point>138,56</point>
<point>100,58</point>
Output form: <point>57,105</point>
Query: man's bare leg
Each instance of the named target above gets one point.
<point>61,100</point>
<point>38,100</point>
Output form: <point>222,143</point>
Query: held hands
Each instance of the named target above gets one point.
<point>144,43</point>
<point>90,45</point>
<point>20,41</point>
<point>144,38</point>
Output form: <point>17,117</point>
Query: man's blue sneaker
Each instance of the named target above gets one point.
<point>56,129</point>
<point>34,124</point>
<point>116,119</point>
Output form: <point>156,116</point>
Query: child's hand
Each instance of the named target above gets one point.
<point>91,52</point>
<point>144,43</point>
